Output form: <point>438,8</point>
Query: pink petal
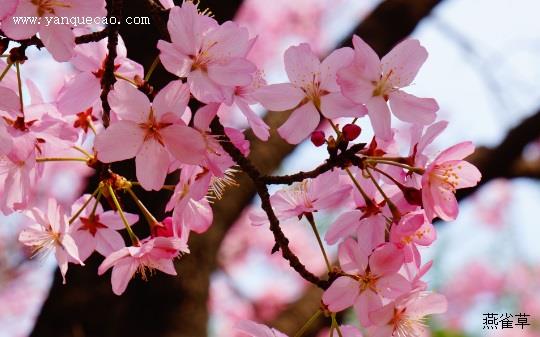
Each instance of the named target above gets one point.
<point>71,247</point>
<point>204,116</point>
<point>184,143</point>
<point>207,91</point>
<point>108,241</point>
<point>428,303</point>
<point>301,64</point>
<point>253,329</point>
<point>392,286</point>
<point>353,258</point>
<point>380,118</point>
<point>445,204</point>
<point>371,231</point>
<point>164,265</point>
<point>341,294</point>
<point>128,134</point>
<point>122,273</point>
<point>112,219</point>
<point>335,105</point>
<point>21,31</point>
<point>9,100</point>
<point>386,259</point>
<point>129,103</point>
<point>8,8</point>
<point>86,244</point>
<point>197,215</point>
<point>279,97</point>
<point>301,123</point>
<point>227,40</point>
<point>468,174</point>
<point>152,165</point>
<point>257,124</point>
<point>173,60</point>
<point>186,28</point>
<point>236,72</point>
<point>62,261</point>
<point>173,98</point>
<point>337,60</point>
<point>404,60</point>
<point>412,109</point>
<point>383,315</point>
<point>112,259</point>
<point>345,225</point>
<point>456,152</point>
<point>367,302</point>
<point>59,41</point>
<point>431,133</point>
<point>79,93</point>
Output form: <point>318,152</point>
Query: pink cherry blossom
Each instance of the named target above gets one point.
<point>49,231</point>
<point>83,90</point>
<point>368,217</point>
<point>405,316</point>
<point>325,191</point>
<point>151,253</point>
<point>188,202</point>
<point>97,231</point>
<point>372,276</point>
<point>57,38</point>
<point>243,98</point>
<point>375,82</point>
<point>150,132</point>
<point>414,229</point>
<point>447,173</point>
<point>313,91</point>
<point>210,56</point>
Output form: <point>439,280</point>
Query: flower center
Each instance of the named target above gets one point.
<point>447,175</point>
<point>383,87</point>
<point>91,224</point>
<point>368,281</point>
<point>152,128</point>
<point>48,6</point>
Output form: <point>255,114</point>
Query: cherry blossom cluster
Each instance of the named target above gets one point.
<point>384,193</point>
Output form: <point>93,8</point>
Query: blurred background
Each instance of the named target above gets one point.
<point>483,65</point>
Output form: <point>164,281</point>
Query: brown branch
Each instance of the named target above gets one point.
<point>114,9</point>
<point>92,37</point>
<point>262,191</point>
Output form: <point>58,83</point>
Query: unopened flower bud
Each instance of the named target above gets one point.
<point>351,132</point>
<point>318,138</point>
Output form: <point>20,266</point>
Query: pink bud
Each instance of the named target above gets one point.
<point>351,132</point>
<point>318,138</point>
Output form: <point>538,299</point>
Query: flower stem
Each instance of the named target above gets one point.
<point>45,159</point>
<point>309,217</point>
<point>336,325</point>
<point>6,69</point>
<point>132,236</point>
<point>417,170</point>
<point>122,77</point>
<point>76,215</point>
<point>146,213</point>
<point>83,151</point>
<point>152,68</point>
<point>96,203</point>
<point>393,208</point>
<point>360,189</point>
<point>310,321</point>
<point>19,85</point>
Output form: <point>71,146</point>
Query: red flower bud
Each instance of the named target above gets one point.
<point>318,138</point>
<point>351,132</point>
